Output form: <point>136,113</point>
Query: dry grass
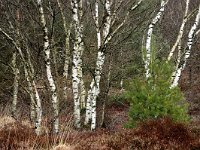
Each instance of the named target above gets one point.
<point>153,134</point>
<point>63,147</point>
<point>4,120</point>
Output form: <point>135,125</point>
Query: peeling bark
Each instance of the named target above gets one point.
<point>51,81</point>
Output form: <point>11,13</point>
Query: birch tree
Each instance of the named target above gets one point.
<point>178,42</point>
<point>102,41</point>
<point>15,67</point>
<point>15,84</point>
<point>76,62</point>
<point>82,86</point>
<point>191,36</point>
<point>149,38</point>
<point>90,92</point>
<point>51,81</point>
<point>181,31</point>
<point>179,66</point>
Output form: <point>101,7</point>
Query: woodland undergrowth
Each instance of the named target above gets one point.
<point>151,134</point>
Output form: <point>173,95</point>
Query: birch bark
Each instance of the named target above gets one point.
<point>81,49</point>
<point>31,93</point>
<point>92,84</point>
<point>29,77</point>
<point>178,43</point>
<point>51,81</point>
<point>191,37</point>
<point>180,35</point>
<point>76,62</point>
<point>15,85</point>
<point>102,41</point>
<point>149,37</point>
<point>14,64</point>
<point>100,61</point>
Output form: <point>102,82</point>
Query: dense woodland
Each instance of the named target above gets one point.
<point>113,74</point>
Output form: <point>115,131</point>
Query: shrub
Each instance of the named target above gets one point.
<point>153,98</point>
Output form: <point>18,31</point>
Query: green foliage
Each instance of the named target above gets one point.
<point>153,98</point>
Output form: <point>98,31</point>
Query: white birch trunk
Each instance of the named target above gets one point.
<point>51,81</point>
<point>92,84</point>
<point>15,92</point>
<point>36,105</point>
<point>81,49</point>
<point>15,68</point>
<point>191,37</point>
<point>180,35</point>
<point>30,77</point>
<point>100,61</point>
<point>15,85</point>
<point>88,104</point>
<point>149,36</point>
<point>178,43</point>
<point>38,108</point>
<point>76,62</point>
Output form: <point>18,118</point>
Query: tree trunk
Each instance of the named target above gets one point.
<point>181,31</point>
<point>51,81</point>
<point>76,64</point>
<point>15,85</point>
<point>100,62</point>
<point>149,36</point>
<point>191,37</point>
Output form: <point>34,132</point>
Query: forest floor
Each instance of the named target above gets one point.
<point>150,135</point>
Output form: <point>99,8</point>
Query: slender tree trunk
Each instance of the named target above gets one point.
<point>66,62</point>
<point>149,36</point>
<point>30,77</point>
<point>101,44</point>
<point>31,93</point>
<point>107,88</point>
<point>181,31</point>
<point>92,84</point>
<point>15,85</point>
<point>76,64</point>
<point>51,81</point>
<point>191,37</point>
<point>14,65</point>
<point>178,43</point>
<point>81,49</point>
<point>100,61</point>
